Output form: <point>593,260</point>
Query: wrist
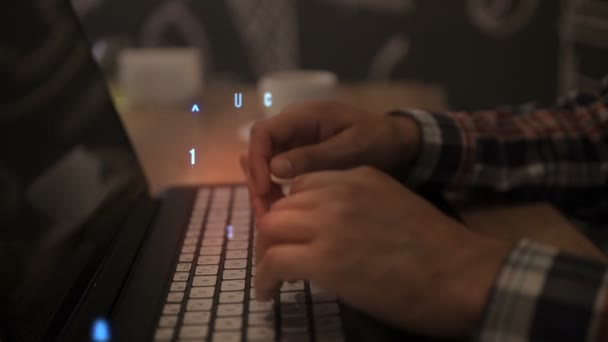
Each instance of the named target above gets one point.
<point>408,137</point>
<point>471,289</point>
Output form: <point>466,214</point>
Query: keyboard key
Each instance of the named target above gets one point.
<point>321,295</point>
<point>175,297</point>
<point>233,285</point>
<point>171,309</point>
<point>199,304</point>
<point>187,257</point>
<point>295,337</point>
<point>201,317</point>
<point>254,333</point>
<point>237,254</point>
<point>232,297</point>
<point>163,334</point>
<point>240,237</point>
<point>206,270</point>
<point>235,263</point>
<point>178,286</point>
<point>181,276</point>
<point>252,270</point>
<point>294,309</point>
<point>230,309</point>
<point>251,293</point>
<point>190,241</point>
<point>193,332</point>
<point>228,323</point>
<point>189,249</point>
<point>294,324</point>
<point>297,286</point>
<point>204,280</point>
<point>183,267</point>
<point>234,245</point>
<point>208,260</point>
<point>256,306</point>
<point>329,336</point>
<point>167,321</point>
<point>233,274</point>
<point>227,336</point>
<point>193,233</point>
<point>211,250</point>
<point>202,292</point>
<point>328,323</point>
<point>293,297</point>
<point>323,309</point>
<point>261,318</point>
<point>212,241</point>
<point>214,233</point>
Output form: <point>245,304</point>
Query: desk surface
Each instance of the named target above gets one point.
<point>163,139</point>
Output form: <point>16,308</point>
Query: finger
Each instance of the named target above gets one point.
<point>337,153</point>
<point>281,262</point>
<point>316,180</point>
<point>287,226</point>
<point>260,204</point>
<point>297,125</point>
<point>302,201</point>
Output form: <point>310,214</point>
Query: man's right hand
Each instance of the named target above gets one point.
<point>326,136</point>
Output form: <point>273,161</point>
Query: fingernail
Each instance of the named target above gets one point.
<point>282,166</point>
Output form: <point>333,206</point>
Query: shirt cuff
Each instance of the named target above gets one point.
<point>441,151</point>
<point>542,294</point>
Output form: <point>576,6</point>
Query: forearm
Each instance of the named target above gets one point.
<point>548,154</point>
<point>542,294</point>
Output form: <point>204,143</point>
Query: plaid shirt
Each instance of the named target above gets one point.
<point>558,154</point>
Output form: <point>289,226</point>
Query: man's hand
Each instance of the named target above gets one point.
<point>325,136</point>
<point>380,248</point>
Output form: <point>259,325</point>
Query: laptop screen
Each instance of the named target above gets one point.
<point>65,160</point>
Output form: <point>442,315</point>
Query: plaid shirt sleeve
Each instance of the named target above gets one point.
<point>542,294</point>
<point>554,154</point>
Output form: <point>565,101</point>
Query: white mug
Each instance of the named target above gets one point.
<point>279,89</point>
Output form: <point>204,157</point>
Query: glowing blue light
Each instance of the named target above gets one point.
<point>267,99</point>
<point>238,100</point>
<point>100,331</point>
<point>195,109</point>
<point>229,232</point>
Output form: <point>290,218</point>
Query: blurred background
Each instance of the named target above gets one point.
<point>480,52</point>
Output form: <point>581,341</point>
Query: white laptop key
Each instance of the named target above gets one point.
<point>175,297</point>
<point>229,309</point>
<point>228,323</point>
<point>193,332</point>
<point>232,297</point>
<point>199,304</point>
<point>260,332</point>
<point>233,274</point>
<point>235,263</point>
<point>167,321</point>
<point>178,286</point>
<point>171,309</point>
<point>181,276</point>
<point>208,260</point>
<point>206,270</point>
<point>233,285</point>
<point>202,292</point>
<point>200,317</point>
<point>164,334</point>
<point>204,280</point>
<point>227,336</point>
<point>210,250</point>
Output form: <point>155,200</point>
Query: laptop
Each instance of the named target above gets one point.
<point>86,254</point>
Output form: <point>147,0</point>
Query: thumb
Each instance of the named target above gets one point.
<point>338,152</point>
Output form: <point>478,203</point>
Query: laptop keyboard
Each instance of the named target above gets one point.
<point>212,297</point>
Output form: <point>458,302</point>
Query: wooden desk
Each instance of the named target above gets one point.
<point>164,137</point>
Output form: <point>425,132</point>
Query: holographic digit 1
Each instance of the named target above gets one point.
<point>192,156</point>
